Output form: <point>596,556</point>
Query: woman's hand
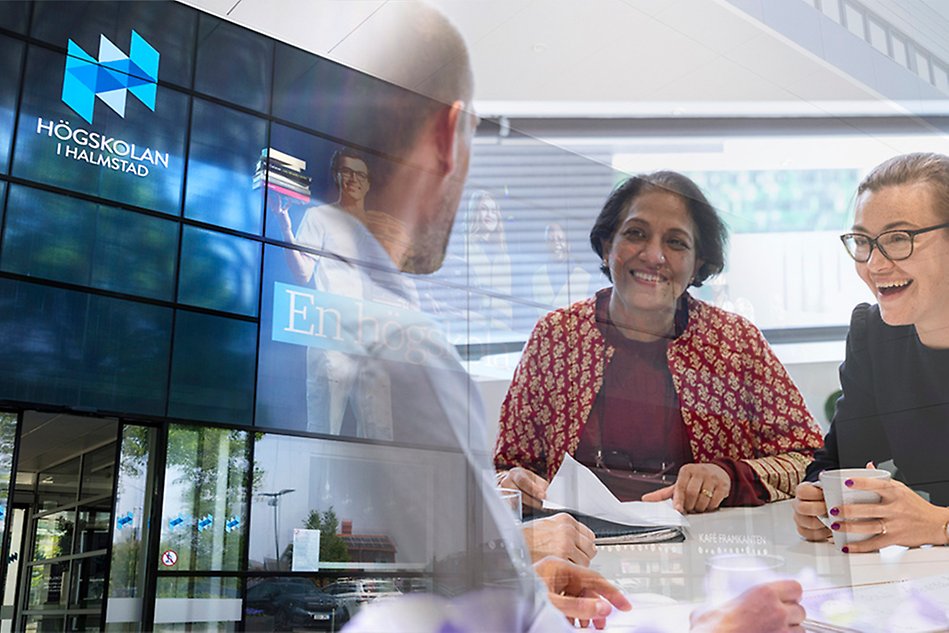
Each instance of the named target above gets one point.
<point>698,488</point>
<point>901,518</point>
<point>533,487</point>
<point>808,506</point>
<point>562,536</point>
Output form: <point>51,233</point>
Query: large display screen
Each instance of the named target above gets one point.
<point>222,159</point>
<point>11,59</point>
<point>123,150</point>
<point>169,27</point>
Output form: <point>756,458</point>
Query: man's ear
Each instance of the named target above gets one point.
<point>448,132</point>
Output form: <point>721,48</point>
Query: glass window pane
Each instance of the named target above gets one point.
<point>940,77</point>
<point>37,623</point>
<point>67,239</point>
<point>878,36</point>
<point>69,348</point>
<point>304,487</point>
<point>54,534</point>
<point>135,159</point>
<point>922,65</point>
<point>225,148</point>
<point>11,59</point>
<point>95,525</point>
<point>88,583</point>
<point>855,21</point>
<point>47,590</point>
<point>226,51</point>
<point>130,537</point>
<point>899,49</point>
<point>98,471</point>
<point>831,9</point>
<point>327,97</point>
<point>219,271</point>
<point>15,15</point>
<point>168,27</point>
<point>212,605</point>
<point>203,508</point>
<point>213,368</point>
<point>58,485</point>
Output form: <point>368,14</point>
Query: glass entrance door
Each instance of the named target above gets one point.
<point>66,468</point>
<point>134,498</point>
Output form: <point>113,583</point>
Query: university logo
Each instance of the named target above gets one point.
<point>111,77</point>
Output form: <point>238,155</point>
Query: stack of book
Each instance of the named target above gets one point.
<point>283,174</point>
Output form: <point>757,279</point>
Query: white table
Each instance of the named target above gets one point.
<point>677,570</point>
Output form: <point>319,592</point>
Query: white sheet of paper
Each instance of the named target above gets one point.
<point>575,487</point>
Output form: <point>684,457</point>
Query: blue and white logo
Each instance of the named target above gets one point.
<point>111,77</point>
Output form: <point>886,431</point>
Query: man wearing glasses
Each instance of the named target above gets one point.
<point>336,401</point>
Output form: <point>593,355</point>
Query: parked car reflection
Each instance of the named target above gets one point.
<point>354,593</point>
<point>286,604</point>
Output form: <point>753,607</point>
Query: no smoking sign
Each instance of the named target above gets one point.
<point>169,558</point>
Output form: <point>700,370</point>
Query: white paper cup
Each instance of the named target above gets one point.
<point>837,494</point>
<point>728,576</point>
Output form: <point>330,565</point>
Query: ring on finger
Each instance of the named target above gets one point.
<point>708,493</point>
<point>882,527</point>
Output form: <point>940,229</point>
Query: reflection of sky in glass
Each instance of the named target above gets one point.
<point>225,148</point>
<point>213,368</point>
<point>168,27</point>
<point>122,364</point>
<point>226,51</point>
<point>219,271</point>
<point>57,237</point>
<point>11,53</point>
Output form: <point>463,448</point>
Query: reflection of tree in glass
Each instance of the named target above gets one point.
<point>7,439</point>
<point>332,546</point>
<point>755,201</point>
<point>207,475</point>
<point>128,552</point>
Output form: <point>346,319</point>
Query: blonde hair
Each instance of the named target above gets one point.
<point>927,167</point>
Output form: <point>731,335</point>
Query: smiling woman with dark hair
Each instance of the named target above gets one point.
<point>662,395</point>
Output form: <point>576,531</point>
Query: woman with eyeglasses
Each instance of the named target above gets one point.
<point>662,395</point>
<point>895,376</point>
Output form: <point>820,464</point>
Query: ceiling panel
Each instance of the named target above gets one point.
<point>316,26</point>
<point>575,57</point>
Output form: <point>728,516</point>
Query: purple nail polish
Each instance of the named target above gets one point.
<point>835,526</point>
<point>845,549</point>
<point>834,512</point>
<point>849,483</point>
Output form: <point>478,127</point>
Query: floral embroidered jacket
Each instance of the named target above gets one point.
<point>737,400</point>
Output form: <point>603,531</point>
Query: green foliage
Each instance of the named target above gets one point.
<point>332,546</point>
<point>830,405</point>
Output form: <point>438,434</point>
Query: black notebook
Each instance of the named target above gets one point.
<point>610,533</point>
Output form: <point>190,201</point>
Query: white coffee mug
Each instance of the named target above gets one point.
<point>836,494</point>
<point>730,575</point>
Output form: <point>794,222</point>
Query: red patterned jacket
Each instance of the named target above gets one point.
<point>736,398</point>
